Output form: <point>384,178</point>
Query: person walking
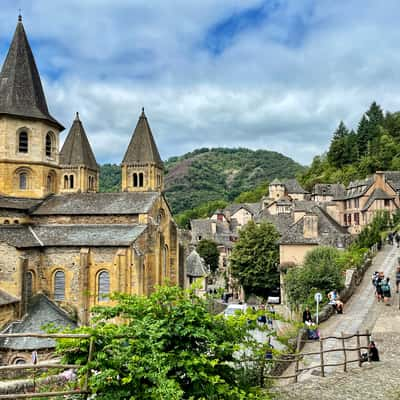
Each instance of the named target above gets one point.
<point>373,354</point>
<point>379,283</point>
<point>386,291</point>
<point>307,315</point>
<point>397,239</point>
<point>397,278</point>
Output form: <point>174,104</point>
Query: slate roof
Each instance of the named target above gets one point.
<point>253,208</point>
<point>18,236</point>
<point>77,235</point>
<point>76,149</point>
<point>225,232</point>
<point>41,312</point>
<point>377,194</point>
<point>6,298</point>
<point>21,91</point>
<point>142,147</point>
<point>356,189</point>
<point>124,203</point>
<point>330,233</point>
<point>329,189</point>
<point>393,178</point>
<point>18,203</point>
<point>280,221</point>
<point>293,186</point>
<point>109,235</point>
<point>195,265</point>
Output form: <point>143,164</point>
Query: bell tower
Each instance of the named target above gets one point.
<point>29,135</point>
<point>142,168</point>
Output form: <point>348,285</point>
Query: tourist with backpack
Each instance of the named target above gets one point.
<point>385,285</point>
<point>379,282</point>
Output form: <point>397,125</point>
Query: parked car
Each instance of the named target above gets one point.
<point>233,309</point>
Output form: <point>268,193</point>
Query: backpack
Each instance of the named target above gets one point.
<point>385,287</point>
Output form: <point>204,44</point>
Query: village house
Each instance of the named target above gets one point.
<point>59,237</point>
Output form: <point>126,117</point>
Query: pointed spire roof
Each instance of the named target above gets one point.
<point>21,91</point>
<point>76,149</point>
<point>142,147</point>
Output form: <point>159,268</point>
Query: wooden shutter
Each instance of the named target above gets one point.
<point>59,286</point>
<point>104,286</point>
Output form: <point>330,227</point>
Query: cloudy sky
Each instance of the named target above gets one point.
<point>270,74</point>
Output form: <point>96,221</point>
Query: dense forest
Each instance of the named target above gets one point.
<point>374,145</point>
<point>207,175</point>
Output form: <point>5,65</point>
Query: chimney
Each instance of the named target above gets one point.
<point>213,227</point>
<point>380,179</point>
<point>298,214</point>
<point>310,228</point>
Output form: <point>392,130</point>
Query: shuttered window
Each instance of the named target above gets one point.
<point>103,286</point>
<point>59,286</point>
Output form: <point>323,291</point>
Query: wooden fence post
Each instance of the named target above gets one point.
<point>90,356</point>
<point>344,353</point>
<point>359,349</point>
<point>321,352</point>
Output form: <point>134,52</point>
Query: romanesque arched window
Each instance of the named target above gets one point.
<point>135,180</point>
<point>59,286</point>
<point>71,181</point>
<point>66,182</point>
<point>164,261</point>
<point>141,180</point>
<point>23,142</point>
<point>29,284</point>
<point>23,181</point>
<point>49,144</point>
<point>103,286</point>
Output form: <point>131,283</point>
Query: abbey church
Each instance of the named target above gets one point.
<point>59,237</point>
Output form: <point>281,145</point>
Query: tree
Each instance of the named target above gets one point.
<point>321,271</point>
<point>337,154</point>
<point>165,346</point>
<point>363,137</point>
<point>208,250</point>
<point>255,257</point>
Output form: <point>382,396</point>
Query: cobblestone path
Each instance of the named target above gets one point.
<point>373,380</point>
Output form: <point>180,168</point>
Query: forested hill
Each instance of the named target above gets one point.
<point>206,174</point>
<point>356,153</point>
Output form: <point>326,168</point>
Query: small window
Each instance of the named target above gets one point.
<point>16,221</point>
<point>71,181</point>
<point>19,361</point>
<point>23,181</point>
<point>66,182</point>
<point>387,202</point>
<point>23,142</point>
<point>141,180</point>
<point>6,221</point>
<point>59,286</point>
<point>29,284</point>
<point>135,180</point>
<point>103,286</point>
<point>49,145</point>
<point>49,183</point>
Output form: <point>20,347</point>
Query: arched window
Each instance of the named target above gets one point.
<point>141,179</point>
<point>103,286</point>
<point>135,180</point>
<point>23,142</point>
<point>19,361</point>
<point>164,261</point>
<point>6,221</point>
<point>16,221</point>
<point>49,145</point>
<point>66,182</point>
<point>59,286</point>
<point>23,181</point>
<point>29,284</point>
<point>71,181</point>
<point>49,183</point>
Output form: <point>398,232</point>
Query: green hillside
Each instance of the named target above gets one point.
<point>206,174</point>
<point>222,174</point>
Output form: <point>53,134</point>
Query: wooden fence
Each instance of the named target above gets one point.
<point>342,348</point>
<point>83,391</point>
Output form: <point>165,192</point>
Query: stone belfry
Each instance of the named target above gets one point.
<point>142,167</point>
<point>79,168</point>
<point>29,135</point>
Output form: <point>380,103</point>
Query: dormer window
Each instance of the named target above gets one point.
<point>23,142</point>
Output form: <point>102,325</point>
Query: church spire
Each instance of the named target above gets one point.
<point>76,150</point>
<point>21,91</point>
<point>142,147</point>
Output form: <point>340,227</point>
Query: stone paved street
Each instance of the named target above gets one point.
<point>373,380</point>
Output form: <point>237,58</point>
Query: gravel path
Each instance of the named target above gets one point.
<point>373,380</point>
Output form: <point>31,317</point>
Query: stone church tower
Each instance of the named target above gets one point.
<point>142,168</point>
<point>29,135</point>
<point>79,169</point>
